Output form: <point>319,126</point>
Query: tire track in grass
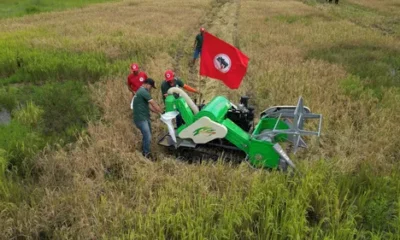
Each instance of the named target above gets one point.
<point>209,23</point>
<point>221,20</point>
<point>181,59</point>
<point>215,21</point>
<point>223,24</point>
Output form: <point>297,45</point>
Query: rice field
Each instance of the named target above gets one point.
<point>70,162</point>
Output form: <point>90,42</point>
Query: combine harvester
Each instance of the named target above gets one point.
<point>222,127</point>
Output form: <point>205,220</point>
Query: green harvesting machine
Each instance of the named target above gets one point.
<point>223,127</point>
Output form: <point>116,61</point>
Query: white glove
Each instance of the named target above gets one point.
<point>132,102</point>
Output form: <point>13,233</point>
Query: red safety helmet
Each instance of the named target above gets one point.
<point>134,67</point>
<point>169,75</point>
<point>202,29</point>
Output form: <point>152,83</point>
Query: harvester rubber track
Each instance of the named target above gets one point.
<point>202,153</point>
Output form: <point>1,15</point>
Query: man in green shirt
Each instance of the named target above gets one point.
<point>142,104</point>
<point>198,43</point>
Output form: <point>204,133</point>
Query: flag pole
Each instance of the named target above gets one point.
<point>199,87</point>
<point>199,83</point>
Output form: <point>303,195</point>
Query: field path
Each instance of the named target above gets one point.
<point>221,20</point>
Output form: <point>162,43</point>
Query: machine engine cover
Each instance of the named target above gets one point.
<point>204,130</point>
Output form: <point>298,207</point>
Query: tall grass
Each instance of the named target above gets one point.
<point>51,69</point>
<point>49,114</point>
<point>8,99</point>
<point>20,144</point>
<point>31,115</point>
<point>353,93</point>
<point>212,202</point>
<point>377,66</point>
<point>14,8</point>
<point>23,64</point>
<point>3,166</point>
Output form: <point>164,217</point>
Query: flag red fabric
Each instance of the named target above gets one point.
<point>222,61</point>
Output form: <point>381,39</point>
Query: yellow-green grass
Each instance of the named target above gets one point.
<point>318,60</point>
<point>386,6</point>
<point>47,49</point>
<point>18,8</point>
<point>100,187</point>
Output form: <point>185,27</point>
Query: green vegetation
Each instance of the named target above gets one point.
<point>318,204</point>
<point>8,98</point>
<point>45,89</point>
<point>322,202</point>
<point>21,144</point>
<point>44,86</point>
<point>378,67</point>
<point>18,8</point>
<point>288,18</point>
<point>385,22</point>
<point>41,77</point>
<point>55,109</point>
<point>65,105</point>
<point>21,63</point>
<point>52,113</point>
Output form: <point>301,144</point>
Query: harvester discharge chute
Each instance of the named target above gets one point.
<point>221,126</point>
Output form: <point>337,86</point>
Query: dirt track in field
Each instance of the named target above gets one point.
<point>221,20</point>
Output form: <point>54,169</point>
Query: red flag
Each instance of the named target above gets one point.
<point>222,61</point>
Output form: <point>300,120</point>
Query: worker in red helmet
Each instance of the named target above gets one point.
<point>135,78</point>
<point>198,43</point>
<point>172,81</point>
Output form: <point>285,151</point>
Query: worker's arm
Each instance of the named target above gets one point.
<point>152,108</point>
<point>129,87</point>
<point>164,92</point>
<point>155,107</point>
<point>195,41</point>
<point>190,89</point>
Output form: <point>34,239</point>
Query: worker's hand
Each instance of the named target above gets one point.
<point>162,111</point>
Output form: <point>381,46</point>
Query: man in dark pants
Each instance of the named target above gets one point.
<point>198,43</point>
<point>142,104</point>
<point>171,81</point>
